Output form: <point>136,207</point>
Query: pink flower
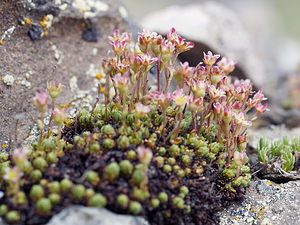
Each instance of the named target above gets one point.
<point>154,96</point>
<point>227,65</point>
<point>210,59</point>
<point>156,45</point>
<point>59,116</point>
<point>201,72</point>
<point>237,106</point>
<point>119,46</point>
<point>122,67</point>
<point>196,105</point>
<point>167,50</point>
<point>41,101</point>
<point>217,74</point>
<point>215,93</point>
<point>241,121</point>
<point>146,59</point>
<point>120,42</point>
<point>144,155</point>
<point>261,108</point>
<point>54,89</point>
<point>198,87</point>
<point>20,155</point>
<point>141,110</point>
<point>121,82</point>
<point>179,97</point>
<point>257,98</point>
<point>183,72</point>
<point>12,174</point>
<point>121,37</point>
<point>162,99</point>
<point>181,44</point>
<point>218,109</point>
<point>227,113</point>
<point>239,157</point>
<point>146,36</point>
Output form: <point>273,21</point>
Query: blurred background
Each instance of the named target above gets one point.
<point>286,12</point>
<point>262,36</point>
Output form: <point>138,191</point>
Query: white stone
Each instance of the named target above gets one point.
<point>123,12</point>
<point>8,80</point>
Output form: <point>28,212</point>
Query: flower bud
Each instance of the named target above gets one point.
<point>54,187</point>
<point>41,101</point>
<point>122,200</point>
<point>167,168</point>
<point>13,217</point>
<point>65,185</point>
<point>40,163</point>
<point>131,155</point>
<point>178,202</point>
<point>141,110</point>
<point>108,131</point>
<point>54,89</point>
<point>35,176</point>
<point>210,59</point>
<point>78,192</point>
<point>54,198</point>
<point>163,197</point>
<point>36,192</point>
<point>144,155</point>
<point>43,206</point>
<point>112,171</point>
<point>174,150</point>
<point>135,207</point>
<point>3,209</point>
<point>126,167</point>
<point>108,143</point>
<point>137,176</point>
<point>98,200</point>
<point>154,203</point>
<point>59,116</point>
<point>123,141</point>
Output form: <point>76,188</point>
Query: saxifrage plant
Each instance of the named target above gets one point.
<point>171,157</point>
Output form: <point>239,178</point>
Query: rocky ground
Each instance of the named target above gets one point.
<point>65,40</point>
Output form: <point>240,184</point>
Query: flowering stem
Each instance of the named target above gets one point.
<point>131,99</point>
<point>51,117</point>
<point>106,96</point>
<point>175,57</point>
<point>158,75</point>
<point>177,129</point>
<point>124,102</point>
<point>135,124</point>
<point>42,129</point>
<point>163,121</point>
<point>167,80</point>
<point>58,137</point>
<point>194,121</point>
<point>145,179</point>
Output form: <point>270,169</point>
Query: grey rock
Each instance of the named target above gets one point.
<point>79,215</point>
<point>267,203</point>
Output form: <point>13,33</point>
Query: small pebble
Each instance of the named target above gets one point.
<point>90,35</point>
<point>35,32</point>
<point>266,221</point>
<point>8,80</point>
